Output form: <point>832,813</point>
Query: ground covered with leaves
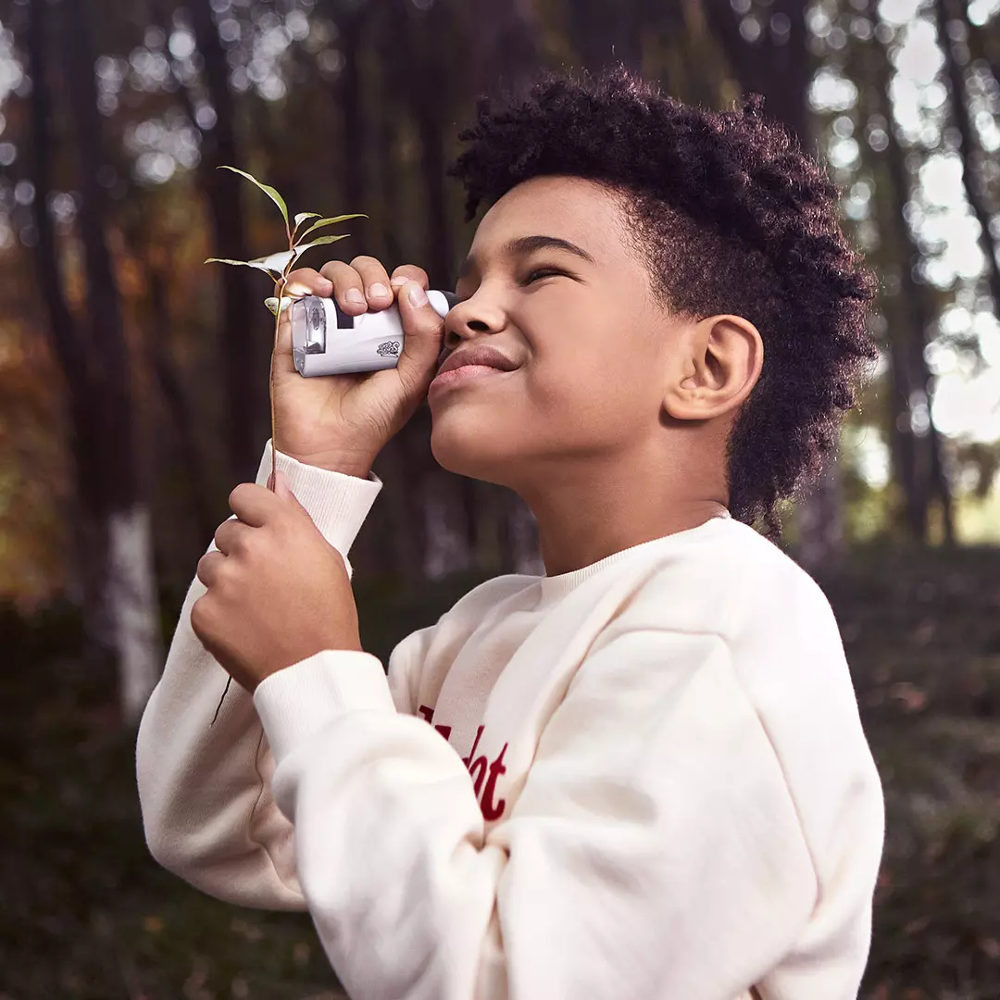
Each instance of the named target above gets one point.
<point>87,913</point>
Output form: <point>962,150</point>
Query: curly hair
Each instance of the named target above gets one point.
<point>729,216</point>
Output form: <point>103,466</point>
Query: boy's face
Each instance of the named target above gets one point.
<point>588,337</point>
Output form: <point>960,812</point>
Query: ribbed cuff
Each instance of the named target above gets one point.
<point>337,503</point>
<point>295,703</point>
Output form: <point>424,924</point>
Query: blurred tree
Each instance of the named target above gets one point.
<point>953,31</point>
<point>359,102</point>
<point>242,333</point>
<point>115,551</point>
<point>773,59</point>
<point>916,448</point>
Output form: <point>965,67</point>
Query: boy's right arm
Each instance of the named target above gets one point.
<point>204,789</point>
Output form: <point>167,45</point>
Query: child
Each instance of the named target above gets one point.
<point>641,775</point>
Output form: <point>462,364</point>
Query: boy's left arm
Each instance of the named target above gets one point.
<point>654,851</point>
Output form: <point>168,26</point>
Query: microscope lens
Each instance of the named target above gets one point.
<point>316,314</point>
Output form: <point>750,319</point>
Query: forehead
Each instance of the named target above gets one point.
<point>582,211</point>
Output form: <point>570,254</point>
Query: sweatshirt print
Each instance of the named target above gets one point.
<point>646,778</point>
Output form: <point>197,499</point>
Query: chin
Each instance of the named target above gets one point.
<point>466,450</point>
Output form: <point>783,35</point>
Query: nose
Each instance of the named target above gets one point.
<point>469,318</point>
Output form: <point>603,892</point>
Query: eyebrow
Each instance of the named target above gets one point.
<point>521,246</point>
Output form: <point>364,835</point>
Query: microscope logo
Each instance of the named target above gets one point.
<point>390,347</point>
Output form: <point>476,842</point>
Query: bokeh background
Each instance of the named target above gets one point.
<point>133,397</point>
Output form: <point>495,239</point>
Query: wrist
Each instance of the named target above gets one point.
<point>359,467</point>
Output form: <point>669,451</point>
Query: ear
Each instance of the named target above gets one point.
<point>718,361</point>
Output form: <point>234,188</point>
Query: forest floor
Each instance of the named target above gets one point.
<point>87,913</point>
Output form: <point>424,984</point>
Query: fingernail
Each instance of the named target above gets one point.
<point>377,291</point>
<point>326,284</point>
<point>418,296</point>
<point>356,296</point>
<point>399,281</point>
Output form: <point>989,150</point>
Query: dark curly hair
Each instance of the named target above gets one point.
<point>729,216</point>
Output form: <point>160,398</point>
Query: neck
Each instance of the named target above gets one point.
<point>584,517</point>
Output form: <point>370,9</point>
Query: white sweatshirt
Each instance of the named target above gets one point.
<point>644,779</point>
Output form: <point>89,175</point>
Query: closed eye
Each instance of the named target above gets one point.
<point>542,273</point>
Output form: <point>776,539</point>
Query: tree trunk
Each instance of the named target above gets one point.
<point>163,367</point>
<point>923,471</point>
<point>970,145</point>
<point>781,72</point>
<point>71,350</point>
<point>130,593</point>
<point>421,54</point>
<point>245,347</point>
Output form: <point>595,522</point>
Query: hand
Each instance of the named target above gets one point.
<point>277,590</point>
<point>342,422</point>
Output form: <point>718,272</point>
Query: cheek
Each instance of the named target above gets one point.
<point>591,373</point>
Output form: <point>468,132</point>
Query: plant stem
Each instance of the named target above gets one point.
<point>274,461</point>
<point>270,380</point>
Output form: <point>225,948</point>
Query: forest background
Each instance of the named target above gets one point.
<point>133,397</point>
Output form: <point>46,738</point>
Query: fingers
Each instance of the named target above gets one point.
<point>230,535</point>
<point>375,280</point>
<point>255,505</point>
<point>208,567</point>
<point>361,285</point>
<point>408,272</point>
<point>306,281</point>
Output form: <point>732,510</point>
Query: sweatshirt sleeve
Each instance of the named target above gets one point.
<point>204,789</point>
<point>654,850</point>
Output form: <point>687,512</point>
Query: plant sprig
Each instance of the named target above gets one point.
<point>279,265</point>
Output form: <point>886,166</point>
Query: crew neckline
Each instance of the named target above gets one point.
<point>554,587</point>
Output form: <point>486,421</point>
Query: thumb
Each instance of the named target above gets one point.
<point>423,335</point>
<point>281,489</point>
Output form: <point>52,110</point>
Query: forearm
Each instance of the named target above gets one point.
<point>204,787</point>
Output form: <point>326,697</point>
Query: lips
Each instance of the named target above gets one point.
<point>491,357</point>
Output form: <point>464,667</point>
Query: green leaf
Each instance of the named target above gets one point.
<point>278,262</point>
<point>302,216</point>
<point>320,242</point>
<point>271,192</point>
<point>323,223</point>
<point>272,304</point>
<point>256,264</point>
